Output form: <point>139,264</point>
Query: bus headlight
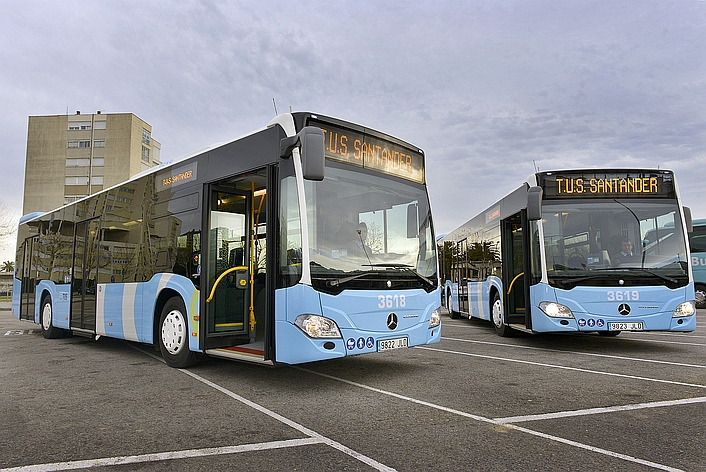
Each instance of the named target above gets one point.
<point>556,310</point>
<point>435,318</point>
<point>685,309</point>
<point>316,326</point>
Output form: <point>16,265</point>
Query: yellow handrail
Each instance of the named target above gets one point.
<point>226,272</point>
<point>513,281</point>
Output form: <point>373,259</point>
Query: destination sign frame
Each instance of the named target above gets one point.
<point>612,184</point>
<point>370,152</point>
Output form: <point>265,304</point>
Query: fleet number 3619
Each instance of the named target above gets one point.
<point>623,295</point>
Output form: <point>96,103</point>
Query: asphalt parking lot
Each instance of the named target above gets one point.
<point>475,401</point>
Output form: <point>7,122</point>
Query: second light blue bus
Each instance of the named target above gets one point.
<point>697,241</point>
<point>590,250</point>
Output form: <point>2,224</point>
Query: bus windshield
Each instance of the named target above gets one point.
<point>367,230</point>
<point>607,241</point>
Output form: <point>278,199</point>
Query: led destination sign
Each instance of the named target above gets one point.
<point>360,149</point>
<point>177,176</point>
<point>569,185</point>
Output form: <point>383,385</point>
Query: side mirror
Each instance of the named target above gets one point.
<point>534,203</point>
<point>689,220</point>
<point>412,221</point>
<point>311,140</point>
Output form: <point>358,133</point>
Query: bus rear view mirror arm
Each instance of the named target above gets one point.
<point>311,140</point>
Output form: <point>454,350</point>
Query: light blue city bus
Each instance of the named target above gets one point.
<point>697,242</point>
<point>307,240</point>
<point>576,251</point>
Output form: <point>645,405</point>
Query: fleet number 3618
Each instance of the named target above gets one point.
<point>392,301</point>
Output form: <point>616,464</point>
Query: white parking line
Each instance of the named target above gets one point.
<point>555,366</point>
<point>303,429</point>
<point>676,335</point>
<point>566,351</point>
<point>313,438</point>
<point>664,342</point>
<point>596,411</point>
<point>636,337</point>
<point>163,456</point>
<point>491,421</point>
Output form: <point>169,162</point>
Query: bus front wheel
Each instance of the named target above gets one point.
<point>49,331</point>
<point>174,335</point>
<point>496,309</point>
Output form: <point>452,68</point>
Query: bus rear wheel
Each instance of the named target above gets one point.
<point>174,335</point>
<point>46,320</point>
<point>496,310</point>
<point>453,314</point>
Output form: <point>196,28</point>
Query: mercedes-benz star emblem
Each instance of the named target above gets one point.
<point>624,309</point>
<point>392,321</point>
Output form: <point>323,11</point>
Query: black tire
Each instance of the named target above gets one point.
<point>496,312</point>
<point>173,334</point>
<point>453,314</point>
<point>608,334</point>
<point>46,320</point>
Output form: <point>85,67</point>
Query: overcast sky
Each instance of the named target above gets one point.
<point>488,89</point>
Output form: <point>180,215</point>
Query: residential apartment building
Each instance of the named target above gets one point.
<point>72,156</point>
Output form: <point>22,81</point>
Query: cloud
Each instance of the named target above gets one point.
<point>488,89</point>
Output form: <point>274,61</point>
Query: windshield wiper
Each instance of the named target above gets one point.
<point>343,280</point>
<point>567,281</point>
<point>409,268</point>
<point>661,276</point>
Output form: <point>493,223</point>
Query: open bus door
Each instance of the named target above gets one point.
<point>515,274</point>
<point>26,275</point>
<point>227,282</point>
<point>463,278</point>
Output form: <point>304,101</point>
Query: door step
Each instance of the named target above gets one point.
<point>85,333</point>
<point>521,327</point>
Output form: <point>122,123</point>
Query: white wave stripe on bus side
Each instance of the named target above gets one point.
<point>481,303</point>
<point>100,310</point>
<point>128,311</point>
<point>163,281</point>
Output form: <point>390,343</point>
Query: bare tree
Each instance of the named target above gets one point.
<point>8,224</point>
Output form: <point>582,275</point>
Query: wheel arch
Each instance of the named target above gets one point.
<point>496,288</point>
<point>162,298</point>
<point>700,286</point>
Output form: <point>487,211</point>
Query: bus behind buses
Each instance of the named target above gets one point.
<point>697,243</point>
<point>307,240</point>
<point>579,250</point>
